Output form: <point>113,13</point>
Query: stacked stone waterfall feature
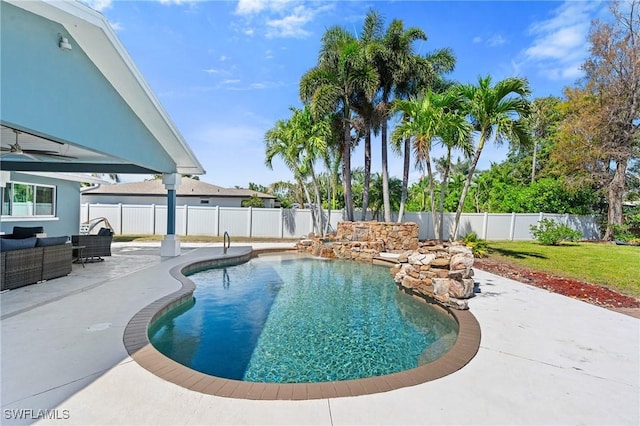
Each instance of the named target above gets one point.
<point>438,271</point>
<point>430,270</point>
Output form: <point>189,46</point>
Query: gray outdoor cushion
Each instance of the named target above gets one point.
<point>24,243</point>
<point>51,241</point>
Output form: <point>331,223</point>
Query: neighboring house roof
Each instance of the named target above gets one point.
<point>187,188</point>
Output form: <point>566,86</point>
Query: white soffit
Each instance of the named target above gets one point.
<point>69,177</point>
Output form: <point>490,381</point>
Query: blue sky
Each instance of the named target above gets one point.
<point>226,71</point>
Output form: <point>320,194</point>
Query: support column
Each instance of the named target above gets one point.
<point>170,246</point>
<point>5,176</point>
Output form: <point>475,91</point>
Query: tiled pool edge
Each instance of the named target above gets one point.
<point>140,349</point>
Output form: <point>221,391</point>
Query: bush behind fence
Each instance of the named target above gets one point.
<point>130,219</point>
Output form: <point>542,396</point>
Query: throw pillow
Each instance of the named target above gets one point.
<point>27,231</point>
<point>105,232</point>
<point>51,241</point>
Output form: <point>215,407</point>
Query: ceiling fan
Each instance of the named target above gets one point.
<point>16,150</point>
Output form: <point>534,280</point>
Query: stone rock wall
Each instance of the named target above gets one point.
<point>395,236</point>
<point>429,270</point>
<point>443,272</point>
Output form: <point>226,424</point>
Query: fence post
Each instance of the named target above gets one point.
<point>153,219</point>
<point>120,217</point>
<point>281,222</point>
<point>512,229</point>
<point>250,224</point>
<point>485,225</point>
<point>186,219</point>
<point>217,221</point>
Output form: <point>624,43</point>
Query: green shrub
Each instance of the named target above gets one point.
<point>551,233</point>
<point>254,201</point>
<point>622,233</point>
<point>478,246</point>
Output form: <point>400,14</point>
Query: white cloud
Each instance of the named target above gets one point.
<point>291,25</point>
<point>560,43</point>
<point>98,5</point>
<point>231,81</point>
<point>493,41</point>
<point>178,2</point>
<point>117,26</point>
<point>278,18</point>
<point>496,40</point>
<point>246,7</point>
<point>249,7</point>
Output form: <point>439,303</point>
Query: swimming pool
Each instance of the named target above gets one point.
<point>276,319</point>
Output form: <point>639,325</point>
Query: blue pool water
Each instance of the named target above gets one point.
<point>283,320</point>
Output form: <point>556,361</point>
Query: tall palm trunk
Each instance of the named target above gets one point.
<point>467,185</point>
<point>346,170</point>
<point>385,174</point>
<point>405,177</point>
<point>329,195</point>
<point>443,191</point>
<point>308,198</point>
<point>367,169</point>
<point>303,193</point>
<point>318,217</point>
<point>432,197</point>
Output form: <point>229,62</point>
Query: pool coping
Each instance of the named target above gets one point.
<point>137,344</point>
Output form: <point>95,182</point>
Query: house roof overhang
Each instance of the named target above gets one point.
<point>93,34</point>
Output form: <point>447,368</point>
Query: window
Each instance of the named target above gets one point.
<point>27,199</point>
<point>203,201</point>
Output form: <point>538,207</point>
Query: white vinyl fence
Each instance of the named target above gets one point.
<point>130,219</point>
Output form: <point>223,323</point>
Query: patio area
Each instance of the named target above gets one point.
<point>543,359</point>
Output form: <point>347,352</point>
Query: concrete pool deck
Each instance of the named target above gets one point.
<point>543,359</point>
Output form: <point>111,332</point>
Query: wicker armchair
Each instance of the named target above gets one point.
<point>95,246</point>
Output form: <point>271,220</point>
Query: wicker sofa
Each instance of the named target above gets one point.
<point>25,261</point>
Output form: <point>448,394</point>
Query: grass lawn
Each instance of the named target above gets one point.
<point>610,265</point>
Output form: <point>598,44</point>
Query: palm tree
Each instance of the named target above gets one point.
<point>455,135</point>
<point>301,141</point>
<point>434,117</point>
<point>367,106</point>
<point>403,74</point>
<point>311,136</point>
<point>342,71</point>
<point>495,113</point>
<point>426,73</point>
<point>278,143</point>
<point>393,61</point>
<point>331,160</point>
<point>366,123</point>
